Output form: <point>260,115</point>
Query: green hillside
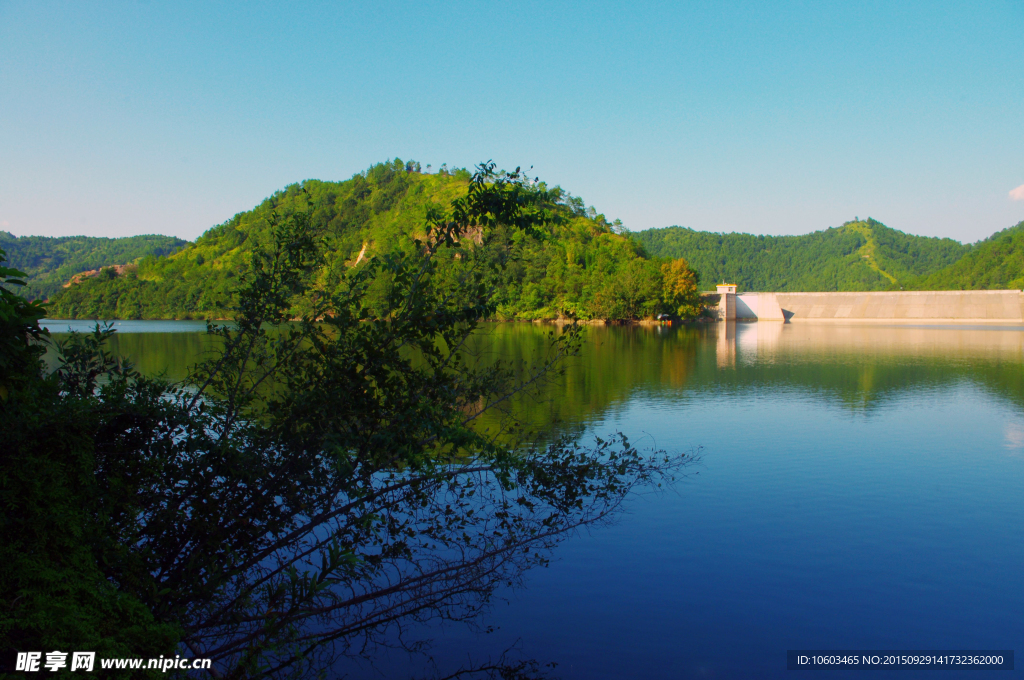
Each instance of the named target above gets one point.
<point>995,263</point>
<point>51,262</point>
<point>580,267</point>
<point>861,255</point>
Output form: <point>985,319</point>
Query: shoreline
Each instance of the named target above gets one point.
<point>554,322</point>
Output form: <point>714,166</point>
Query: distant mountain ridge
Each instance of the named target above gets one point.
<point>995,263</point>
<point>859,255</point>
<point>50,262</point>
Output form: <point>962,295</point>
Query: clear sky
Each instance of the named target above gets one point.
<point>764,117</point>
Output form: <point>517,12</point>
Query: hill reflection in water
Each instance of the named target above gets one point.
<point>860,489</point>
<point>859,366</point>
<point>856,366</point>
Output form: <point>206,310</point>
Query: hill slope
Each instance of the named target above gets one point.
<point>51,262</point>
<point>995,263</point>
<point>581,268</point>
<point>864,255</point>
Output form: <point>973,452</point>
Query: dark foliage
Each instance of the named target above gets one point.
<point>56,505</point>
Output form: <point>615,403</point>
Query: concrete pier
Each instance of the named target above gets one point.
<point>946,306</point>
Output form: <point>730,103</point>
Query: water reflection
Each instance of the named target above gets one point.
<point>859,366</point>
<point>862,366</point>
<point>1015,437</point>
<point>860,488</point>
<point>725,348</point>
<point>613,364</point>
<point>157,353</point>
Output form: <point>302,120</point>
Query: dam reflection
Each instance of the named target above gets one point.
<point>863,365</point>
<point>766,341</point>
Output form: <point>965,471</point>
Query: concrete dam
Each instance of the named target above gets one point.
<point>945,306</point>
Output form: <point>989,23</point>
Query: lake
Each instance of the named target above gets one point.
<point>860,487</point>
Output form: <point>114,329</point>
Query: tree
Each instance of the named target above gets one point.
<point>680,289</point>
<point>19,327</point>
<point>317,482</point>
<point>636,290</point>
<point>54,593</point>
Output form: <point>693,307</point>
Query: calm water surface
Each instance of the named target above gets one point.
<point>861,487</point>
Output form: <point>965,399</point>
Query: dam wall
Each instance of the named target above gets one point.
<point>947,306</point>
<point>765,306</point>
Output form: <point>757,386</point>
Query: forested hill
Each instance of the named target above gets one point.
<point>997,262</point>
<point>583,267</point>
<point>861,255</point>
<point>51,262</point>
<point>580,268</point>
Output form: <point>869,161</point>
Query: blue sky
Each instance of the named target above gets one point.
<point>778,118</point>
